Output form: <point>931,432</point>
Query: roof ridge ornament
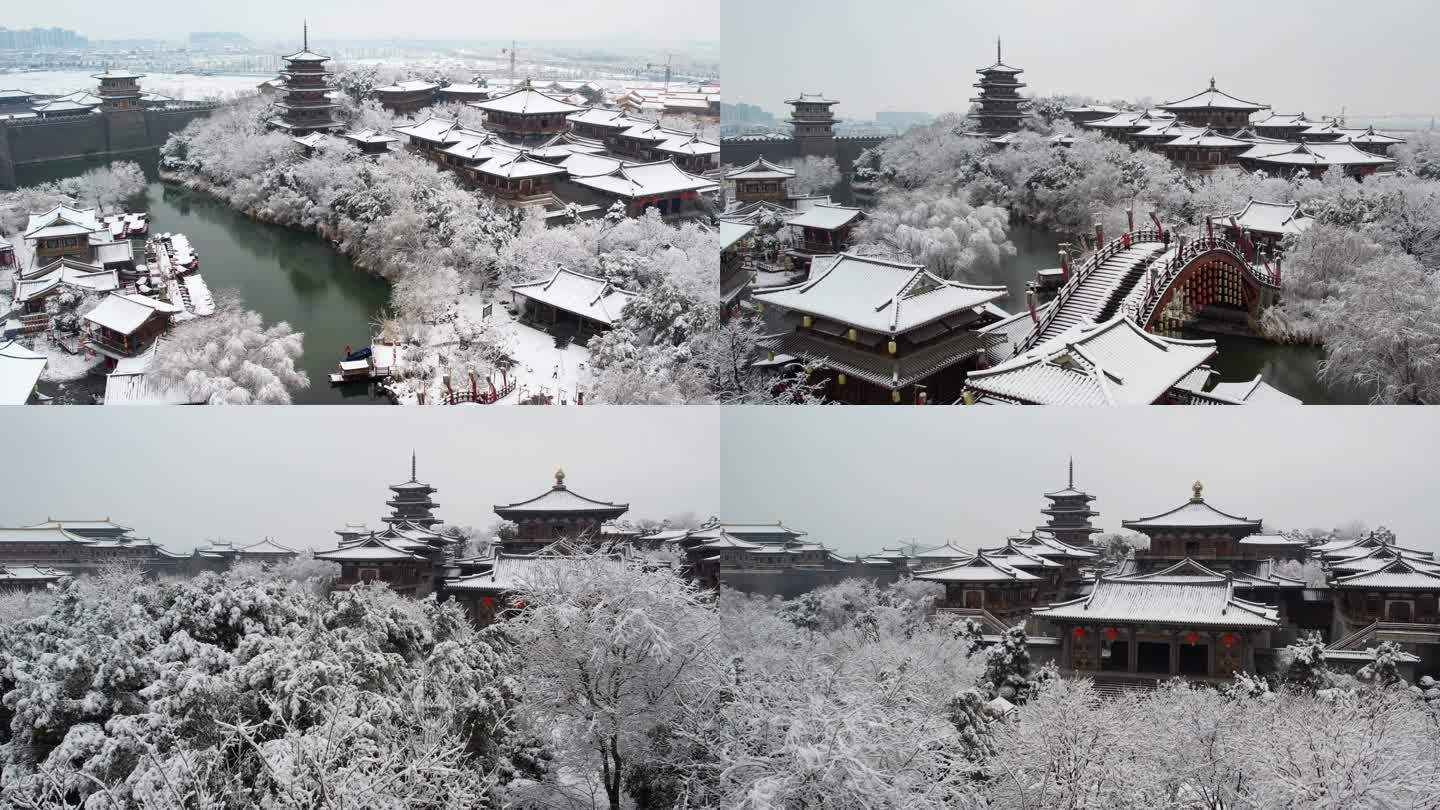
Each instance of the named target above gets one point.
<point>1197,488</point>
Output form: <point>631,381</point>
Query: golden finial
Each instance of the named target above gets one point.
<point>1197,488</point>
<point>560,479</point>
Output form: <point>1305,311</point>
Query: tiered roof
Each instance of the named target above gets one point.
<point>1193,514</point>
<point>559,499</point>
<point>62,220</point>
<point>1397,575</point>
<point>588,296</point>
<point>1187,601</point>
<point>636,180</point>
<point>1213,99</point>
<point>761,169</point>
<point>978,569</point>
<point>12,575</point>
<point>880,296</point>
<point>40,281</point>
<point>1113,363</point>
<point>526,101</point>
<point>1314,155</point>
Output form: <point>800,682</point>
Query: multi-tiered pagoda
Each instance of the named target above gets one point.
<point>1002,109</point>
<point>412,502</point>
<point>814,124</point>
<point>305,104</point>
<point>1070,514</point>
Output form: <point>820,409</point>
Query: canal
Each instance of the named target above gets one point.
<point>1291,369</point>
<point>284,274</point>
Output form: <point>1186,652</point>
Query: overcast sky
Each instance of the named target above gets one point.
<point>185,475</point>
<point>356,19</point>
<point>858,479</point>
<point>1314,56</point>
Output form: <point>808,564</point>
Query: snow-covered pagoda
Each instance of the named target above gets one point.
<point>812,123</point>
<point>305,104</point>
<point>1214,108</point>
<point>412,501</point>
<point>1159,626</point>
<point>1198,531</point>
<point>559,513</point>
<point>526,114</point>
<point>760,181</point>
<point>1112,363</point>
<point>1069,514</point>
<point>889,331</point>
<point>1001,107</point>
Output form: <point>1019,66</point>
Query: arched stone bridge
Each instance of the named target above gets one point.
<point>1158,283</point>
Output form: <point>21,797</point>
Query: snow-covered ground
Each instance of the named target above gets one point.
<point>61,365</point>
<point>543,369</point>
<point>175,85</point>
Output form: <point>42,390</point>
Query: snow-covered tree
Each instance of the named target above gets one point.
<point>1008,672</point>
<point>814,175</point>
<point>230,358</point>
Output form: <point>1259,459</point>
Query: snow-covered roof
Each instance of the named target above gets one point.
<point>1193,514</point>
<point>948,551</point>
<point>305,56</point>
<point>408,86</point>
<point>62,220</point>
<point>42,533</point>
<point>435,130</point>
<point>1316,155</point>
<point>1047,545</point>
<point>1089,108</point>
<point>727,540</point>
<point>578,293</point>
<point>267,547</point>
<point>114,252</point>
<point>978,568</point>
<point>580,164</point>
<point>879,296</point>
<point>1113,363</point>
<point>761,169</point>
<point>526,101</point>
<point>828,217</point>
<point>508,573</point>
<point>61,105</point>
<point>12,574</point>
<point>20,370</point>
<point>1198,602</point>
<point>688,145</point>
<point>368,549</point>
<point>517,165</point>
<point>1018,557</point>
<point>1272,540</point>
<point>644,179</point>
<point>1285,120</point>
<point>1213,99</point>
<point>310,141</point>
<point>37,281</point>
<point>1252,392</point>
<point>1207,139</point>
<point>1397,575</point>
<point>760,530</point>
<point>732,232</point>
<point>601,117</point>
<point>1369,135</point>
<point>811,98</point>
<point>1276,218</point>
<point>464,88</point>
<point>560,499</point>
<point>126,312</point>
<point>117,73</point>
<point>367,136</point>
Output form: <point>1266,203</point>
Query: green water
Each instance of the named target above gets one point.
<point>284,274</point>
<point>1291,369</point>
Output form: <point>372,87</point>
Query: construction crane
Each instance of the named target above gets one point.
<point>656,65</point>
<point>511,51</point>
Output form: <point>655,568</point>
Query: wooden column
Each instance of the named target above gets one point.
<point>1174,653</point>
<point>1133,665</point>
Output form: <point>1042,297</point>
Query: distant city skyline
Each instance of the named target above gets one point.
<point>1293,55</point>
<point>185,476</point>
<point>858,479</point>
<point>349,19</point>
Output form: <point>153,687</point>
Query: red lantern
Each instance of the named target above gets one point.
<point>488,602</point>
<point>1080,632</point>
<point>1228,639</point>
<point>1111,634</point>
<point>1192,637</point>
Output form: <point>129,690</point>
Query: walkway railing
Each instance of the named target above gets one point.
<point>1157,285</point>
<point>481,398</point>
<point>1078,277</point>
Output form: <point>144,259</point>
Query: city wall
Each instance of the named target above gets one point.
<point>90,136</point>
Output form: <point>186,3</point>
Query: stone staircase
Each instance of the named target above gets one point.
<point>1098,296</point>
<point>1119,687</point>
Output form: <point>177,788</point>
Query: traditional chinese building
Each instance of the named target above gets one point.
<point>813,123</point>
<point>766,558</point>
<point>556,514</point>
<point>1160,625</point>
<point>125,324</point>
<point>587,304</point>
<point>662,184</point>
<point>1069,514</point>
<point>369,142</point>
<point>305,103</point>
<point>83,546</point>
<point>1265,224</point>
<point>64,232</point>
<point>412,502</point>
<point>29,578</point>
<point>982,585</point>
<point>408,96</point>
<point>1213,109</point>
<point>525,114</point>
<point>824,229</point>
<point>1205,150</point>
<point>1198,531</point>
<point>761,181</point>
<point>885,331</point>
<point>1312,159</point>
<point>405,568</point>
<point>1001,107</point>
